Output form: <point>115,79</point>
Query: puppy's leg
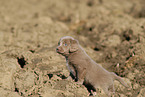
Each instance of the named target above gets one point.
<point>81,75</point>
<point>112,89</point>
<point>105,88</point>
<point>72,72</point>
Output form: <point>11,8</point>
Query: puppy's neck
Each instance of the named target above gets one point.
<point>73,54</point>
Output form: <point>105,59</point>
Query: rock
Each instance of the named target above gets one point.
<point>77,90</point>
<point>72,87</point>
<point>25,81</point>
<point>131,75</point>
<point>45,20</point>
<point>136,86</point>
<point>7,93</point>
<point>112,41</point>
<point>52,89</point>
<point>56,93</point>
<point>8,66</point>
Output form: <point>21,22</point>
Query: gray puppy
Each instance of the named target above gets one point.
<point>83,69</point>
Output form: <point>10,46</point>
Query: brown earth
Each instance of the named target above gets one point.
<point>112,32</point>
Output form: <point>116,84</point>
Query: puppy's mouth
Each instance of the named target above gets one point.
<point>62,53</point>
<point>58,51</point>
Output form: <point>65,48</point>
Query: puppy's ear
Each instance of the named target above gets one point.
<point>74,45</point>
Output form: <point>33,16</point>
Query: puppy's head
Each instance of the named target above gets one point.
<point>67,45</point>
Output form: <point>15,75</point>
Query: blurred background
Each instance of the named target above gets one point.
<point>112,32</point>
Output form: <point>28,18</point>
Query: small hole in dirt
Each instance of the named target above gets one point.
<point>16,90</point>
<point>12,29</point>
<point>127,38</point>
<point>33,51</point>
<point>38,45</point>
<point>21,94</point>
<point>44,82</point>
<point>122,75</point>
<point>141,14</point>
<point>96,49</point>
<point>62,76</point>
<point>90,3</point>
<point>142,27</point>
<point>35,25</point>
<point>131,47</point>
<point>90,29</point>
<point>50,76</point>
<point>127,58</point>
<point>128,34</point>
<point>21,61</point>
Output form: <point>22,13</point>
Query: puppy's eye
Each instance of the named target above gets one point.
<point>65,44</point>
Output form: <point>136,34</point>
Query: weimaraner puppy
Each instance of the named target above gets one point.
<point>83,69</point>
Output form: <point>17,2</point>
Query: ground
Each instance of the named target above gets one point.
<point>112,32</point>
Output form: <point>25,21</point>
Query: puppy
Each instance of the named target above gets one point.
<point>83,69</point>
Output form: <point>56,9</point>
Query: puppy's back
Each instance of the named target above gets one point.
<point>97,75</point>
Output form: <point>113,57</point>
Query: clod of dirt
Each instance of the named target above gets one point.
<point>141,93</point>
<point>8,66</point>
<point>112,41</point>
<point>8,93</point>
<point>128,35</point>
<point>24,81</point>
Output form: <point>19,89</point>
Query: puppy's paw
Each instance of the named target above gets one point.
<point>80,82</point>
<point>68,78</point>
